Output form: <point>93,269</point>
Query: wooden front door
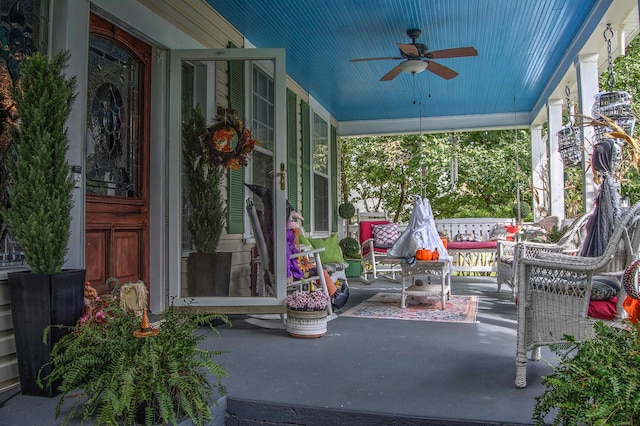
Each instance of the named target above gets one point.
<point>117,156</point>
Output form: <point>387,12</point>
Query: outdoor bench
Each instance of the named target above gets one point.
<point>470,242</point>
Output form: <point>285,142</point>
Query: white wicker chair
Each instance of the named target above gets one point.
<point>570,243</point>
<point>554,291</point>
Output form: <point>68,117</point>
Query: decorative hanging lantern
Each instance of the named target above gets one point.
<point>614,105</point>
<point>569,140</point>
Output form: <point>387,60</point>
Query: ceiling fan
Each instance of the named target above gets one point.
<point>418,58</point>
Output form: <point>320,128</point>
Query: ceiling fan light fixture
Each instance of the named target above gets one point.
<point>414,66</point>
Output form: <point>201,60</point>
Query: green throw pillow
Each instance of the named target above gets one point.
<point>332,252</point>
<point>304,240</point>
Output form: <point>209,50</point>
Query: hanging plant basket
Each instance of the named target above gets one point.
<point>570,146</point>
<point>617,107</point>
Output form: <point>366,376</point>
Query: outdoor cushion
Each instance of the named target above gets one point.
<point>471,245</point>
<point>604,288</point>
<point>465,237</point>
<point>499,232</point>
<point>332,252</point>
<point>366,230</point>
<point>385,235</point>
<point>603,309</point>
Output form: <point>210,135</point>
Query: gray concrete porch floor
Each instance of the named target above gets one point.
<point>365,371</point>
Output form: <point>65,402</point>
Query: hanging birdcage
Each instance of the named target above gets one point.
<point>570,146</point>
<point>617,107</point>
<point>613,105</point>
<point>569,139</point>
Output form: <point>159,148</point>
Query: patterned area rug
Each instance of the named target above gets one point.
<point>461,309</point>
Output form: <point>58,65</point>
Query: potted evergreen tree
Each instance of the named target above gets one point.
<point>209,272</point>
<point>349,245</point>
<point>208,152</point>
<point>40,214</point>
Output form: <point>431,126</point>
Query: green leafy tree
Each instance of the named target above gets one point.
<point>40,193</point>
<point>384,172</point>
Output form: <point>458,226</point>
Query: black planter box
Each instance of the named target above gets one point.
<point>209,274</point>
<point>38,301</point>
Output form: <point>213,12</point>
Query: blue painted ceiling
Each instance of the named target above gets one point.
<point>522,48</point>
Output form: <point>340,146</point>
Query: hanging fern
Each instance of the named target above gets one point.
<point>166,374</point>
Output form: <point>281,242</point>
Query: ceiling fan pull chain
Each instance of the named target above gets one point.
<point>608,36</point>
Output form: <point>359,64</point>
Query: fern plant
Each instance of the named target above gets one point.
<point>165,375</point>
<point>596,382</point>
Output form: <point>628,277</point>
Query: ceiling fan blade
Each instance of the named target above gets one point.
<point>393,73</point>
<point>408,49</point>
<point>441,70</point>
<point>457,52</point>
<point>373,59</point>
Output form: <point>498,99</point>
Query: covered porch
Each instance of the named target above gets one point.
<point>366,371</point>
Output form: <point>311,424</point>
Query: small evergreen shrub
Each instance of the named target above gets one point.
<point>350,248</point>
<point>346,211</point>
<point>207,215</point>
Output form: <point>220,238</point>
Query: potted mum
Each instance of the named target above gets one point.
<point>158,379</point>
<point>208,152</point>
<point>40,214</point>
<point>307,313</point>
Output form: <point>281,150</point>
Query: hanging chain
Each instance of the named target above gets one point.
<point>567,92</point>
<point>608,36</point>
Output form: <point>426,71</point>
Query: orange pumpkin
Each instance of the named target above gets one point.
<point>435,255</point>
<point>423,254</point>
<point>444,242</point>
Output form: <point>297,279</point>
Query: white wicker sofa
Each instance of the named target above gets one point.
<point>555,291</point>
<point>478,253</point>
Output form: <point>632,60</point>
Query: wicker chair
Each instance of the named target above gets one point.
<point>570,243</point>
<point>554,291</point>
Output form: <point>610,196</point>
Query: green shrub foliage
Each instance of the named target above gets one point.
<point>207,214</point>
<point>350,248</point>
<point>117,371</point>
<point>346,210</point>
<point>596,382</point>
<point>41,183</point>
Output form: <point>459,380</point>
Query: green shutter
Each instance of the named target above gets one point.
<point>333,173</point>
<point>235,180</point>
<point>292,149</point>
<point>307,196</point>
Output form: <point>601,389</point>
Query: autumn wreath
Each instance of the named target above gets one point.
<point>217,142</point>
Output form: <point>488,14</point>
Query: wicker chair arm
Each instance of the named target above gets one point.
<point>556,260</point>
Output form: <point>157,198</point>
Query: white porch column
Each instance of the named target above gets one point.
<point>556,167</point>
<point>70,31</point>
<point>539,172</point>
<point>587,73</point>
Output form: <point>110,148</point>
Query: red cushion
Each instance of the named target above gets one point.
<point>470,245</point>
<point>603,309</point>
<point>365,228</point>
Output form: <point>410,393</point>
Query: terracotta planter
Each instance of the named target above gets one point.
<point>306,324</point>
<point>38,301</point>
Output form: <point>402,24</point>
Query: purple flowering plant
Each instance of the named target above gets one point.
<point>307,301</point>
